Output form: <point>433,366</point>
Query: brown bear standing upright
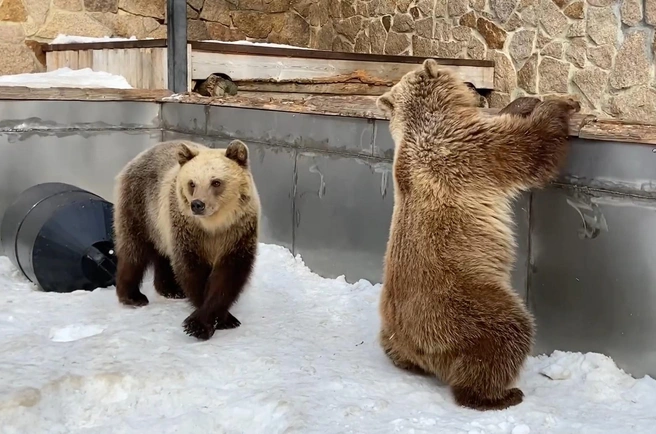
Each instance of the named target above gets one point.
<point>193,213</point>
<point>447,304</point>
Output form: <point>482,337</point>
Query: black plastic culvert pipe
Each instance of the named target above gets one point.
<point>60,237</point>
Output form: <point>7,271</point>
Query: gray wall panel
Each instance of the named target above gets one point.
<point>593,288</point>
<point>520,270</point>
<point>187,118</point>
<point>50,115</point>
<point>611,165</point>
<point>90,161</point>
<point>332,133</point>
<point>383,142</point>
<point>213,142</point>
<point>342,216</point>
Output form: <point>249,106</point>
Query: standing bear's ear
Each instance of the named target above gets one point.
<point>185,153</point>
<point>237,151</point>
<point>385,103</point>
<point>431,67</point>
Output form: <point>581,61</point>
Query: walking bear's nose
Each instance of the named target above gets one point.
<point>197,207</point>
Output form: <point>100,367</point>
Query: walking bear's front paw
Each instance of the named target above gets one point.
<point>198,328</point>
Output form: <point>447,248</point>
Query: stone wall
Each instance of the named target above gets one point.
<point>23,23</point>
<point>603,51</point>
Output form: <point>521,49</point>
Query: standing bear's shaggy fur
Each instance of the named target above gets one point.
<point>193,213</point>
<point>447,305</point>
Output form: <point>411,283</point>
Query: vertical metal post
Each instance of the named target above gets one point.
<point>176,44</point>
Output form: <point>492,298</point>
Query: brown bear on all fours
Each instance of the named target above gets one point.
<point>447,305</point>
<point>193,213</point>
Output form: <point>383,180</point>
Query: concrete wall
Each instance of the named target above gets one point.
<point>585,244</point>
<point>84,143</point>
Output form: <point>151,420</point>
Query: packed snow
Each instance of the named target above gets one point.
<point>259,44</point>
<point>305,360</point>
<point>71,39</point>
<point>67,77</point>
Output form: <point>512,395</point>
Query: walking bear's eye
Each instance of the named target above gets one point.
<point>216,183</point>
<point>192,185</point>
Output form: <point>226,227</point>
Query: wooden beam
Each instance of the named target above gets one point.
<point>81,94</point>
<point>264,50</point>
<point>585,126</point>
<point>225,47</point>
<point>356,83</point>
<point>109,45</point>
<point>615,130</point>
<point>264,67</point>
<point>308,88</point>
<point>337,105</point>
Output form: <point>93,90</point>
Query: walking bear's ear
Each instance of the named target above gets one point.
<point>186,153</point>
<point>237,151</point>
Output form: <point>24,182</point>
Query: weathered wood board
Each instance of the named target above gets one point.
<point>240,67</point>
<point>143,63</point>
<point>143,68</point>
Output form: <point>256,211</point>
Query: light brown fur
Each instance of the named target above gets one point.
<point>447,304</point>
<point>223,211</point>
<point>206,258</point>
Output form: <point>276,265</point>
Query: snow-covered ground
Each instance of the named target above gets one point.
<point>67,77</point>
<point>305,360</point>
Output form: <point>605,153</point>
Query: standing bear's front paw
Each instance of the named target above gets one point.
<point>195,326</point>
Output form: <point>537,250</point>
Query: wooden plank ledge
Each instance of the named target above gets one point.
<point>356,83</point>
<point>81,94</point>
<point>585,126</point>
<point>359,106</point>
<point>611,129</point>
<point>108,45</point>
<point>308,53</point>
